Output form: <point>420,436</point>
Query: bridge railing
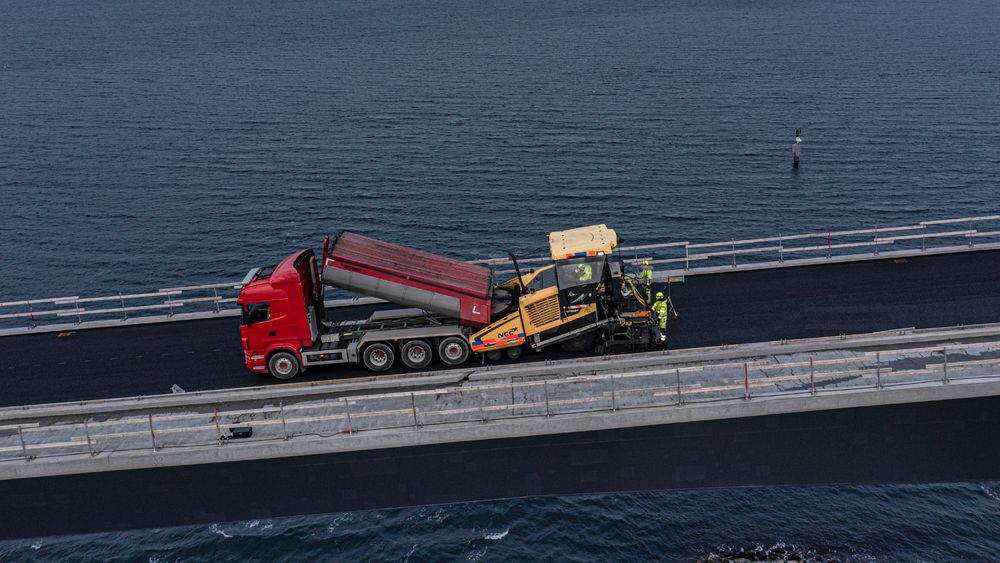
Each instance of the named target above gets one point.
<point>675,257</point>
<point>795,376</point>
<point>209,298</point>
<point>67,313</point>
<point>823,243</point>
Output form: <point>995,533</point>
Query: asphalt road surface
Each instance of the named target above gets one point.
<point>827,300</point>
<point>729,308</point>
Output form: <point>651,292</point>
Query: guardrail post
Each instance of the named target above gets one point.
<point>876,240</point>
<point>812,378</point>
<point>746,382</point>
<point>76,305</point>
<point>31,315</point>
<point>878,371</point>
<point>734,252</point>
<point>218,428</point>
<point>680,398</point>
<point>215,291</point>
<point>614,405</point>
<point>347,410</point>
<point>152,433</point>
<point>781,250</point>
<point>281,413</point>
<point>829,246</point>
<point>124,312</point>
<point>86,430</point>
<point>944,352</point>
<point>24,448</point>
<point>547,412</point>
<point>971,238</point>
<point>413,405</point>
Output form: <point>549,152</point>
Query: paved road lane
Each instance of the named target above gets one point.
<point>834,299</point>
<point>133,360</point>
<point>716,309</point>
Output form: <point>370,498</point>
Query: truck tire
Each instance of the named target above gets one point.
<point>515,353</point>
<point>379,356</point>
<point>283,365</point>
<point>416,353</point>
<point>453,350</point>
<point>494,355</point>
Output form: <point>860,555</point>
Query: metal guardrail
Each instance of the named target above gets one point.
<point>686,256</point>
<point>68,313</point>
<point>169,300</point>
<point>826,243</point>
<point>802,375</point>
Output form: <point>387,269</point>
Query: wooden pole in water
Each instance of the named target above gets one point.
<point>795,148</point>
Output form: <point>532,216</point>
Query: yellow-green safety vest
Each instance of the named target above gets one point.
<point>661,309</point>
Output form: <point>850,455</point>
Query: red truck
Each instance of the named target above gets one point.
<point>446,299</point>
<point>582,301</point>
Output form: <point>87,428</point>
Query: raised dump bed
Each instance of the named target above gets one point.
<point>409,277</point>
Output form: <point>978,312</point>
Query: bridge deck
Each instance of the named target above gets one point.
<point>610,430</point>
<point>56,435</point>
<point>617,426</point>
<point>724,308</point>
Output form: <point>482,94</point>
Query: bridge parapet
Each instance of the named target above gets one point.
<point>672,260</point>
<point>767,378</point>
<point>825,244</point>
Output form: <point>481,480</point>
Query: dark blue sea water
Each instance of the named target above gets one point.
<point>148,143</point>
<point>860,524</point>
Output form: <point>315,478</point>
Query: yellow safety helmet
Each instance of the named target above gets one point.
<point>659,295</point>
<point>645,262</point>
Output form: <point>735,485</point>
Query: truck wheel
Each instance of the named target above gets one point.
<point>494,355</point>
<point>416,353</point>
<point>283,365</point>
<point>379,357</point>
<point>453,350</point>
<point>515,352</point>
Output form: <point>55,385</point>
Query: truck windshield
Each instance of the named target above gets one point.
<point>256,312</point>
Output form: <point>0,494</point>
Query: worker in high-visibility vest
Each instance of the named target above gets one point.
<point>661,307</point>
<point>585,272</point>
<point>646,278</point>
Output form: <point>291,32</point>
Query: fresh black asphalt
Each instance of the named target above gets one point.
<point>725,308</point>
<point>833,299</point>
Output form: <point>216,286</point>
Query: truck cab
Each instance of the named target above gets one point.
<point>282,310</point>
